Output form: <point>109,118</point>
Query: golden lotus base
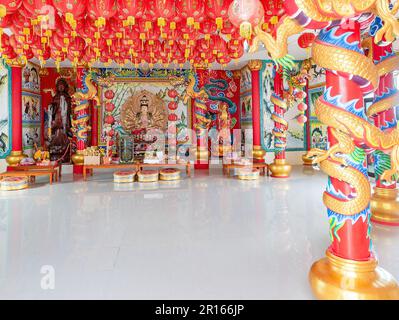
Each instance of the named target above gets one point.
<point>15,158</point>
<point>385,206</point>
<point>78,158</point>
<point>280,169</point>
<point>334,278</point>
<point>258,153</point>
<point>307,161</point>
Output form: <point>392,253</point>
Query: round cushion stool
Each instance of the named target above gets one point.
<point>249,174</point>
<point>13,183</point>
<point>124,176</point>
<point>170,174</point>
<point>148,176</point>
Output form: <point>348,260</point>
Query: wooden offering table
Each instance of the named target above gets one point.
<point>54,166</point>
<point>187,165</point>
<point>116,166</point>
<point>263,167</point>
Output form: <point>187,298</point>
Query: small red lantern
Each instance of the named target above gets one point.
<point>109,107</point>
<point>172,93</point>
<point>173,117</point>
<point>109,94</point>
<point>302,107</point>
<point>302,119</point>
<point>306,40</point>
<point>173,105</point>
<point>109,120</point>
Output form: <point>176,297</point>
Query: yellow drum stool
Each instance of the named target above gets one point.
<point>14,183</point>
<point>124,176</point>
<point>249,174</point>
<point>170,174</point>
<point>148,176</point>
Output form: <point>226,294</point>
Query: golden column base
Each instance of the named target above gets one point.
<point>307,161</point>
<point>280,169</point>
<point>78,158</point>
<point>334,278</point>
<point>15,158</point>
<point>385,206</point>
<point>258,154</point>
<point>202,154</point>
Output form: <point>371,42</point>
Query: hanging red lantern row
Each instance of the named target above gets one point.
<point>164,31</point>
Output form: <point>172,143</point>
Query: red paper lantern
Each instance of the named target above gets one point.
<point>162,11</point>
<point>129,10</point>
<point>9,7</point>
<point>101,10</point>
<point>306,40</point>
<point>246,14</point>
<point>191,10</point>
<point>73,8</point>
<point>217,10</point>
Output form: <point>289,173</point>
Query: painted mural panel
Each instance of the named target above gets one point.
<point>31,122</point>
<point>5,112</point>
<point>318,131</point>
<point>246,98</point>
<point>31,78</point>
<point>296,135</point>
<point>134,103</point>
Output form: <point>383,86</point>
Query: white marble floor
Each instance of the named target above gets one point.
<point>204,238</point>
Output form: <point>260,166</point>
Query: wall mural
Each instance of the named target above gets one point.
<point>318,131</point>
<point>246,98</point>
<point>133,102</point>
<point>296,134</point>
<point>5,112</point>
<point>31,109</point>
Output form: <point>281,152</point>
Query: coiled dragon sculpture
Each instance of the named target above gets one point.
<point>338,51</point>
<point>81,100</point>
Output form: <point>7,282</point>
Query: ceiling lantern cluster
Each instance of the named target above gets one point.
<point>128,32</point>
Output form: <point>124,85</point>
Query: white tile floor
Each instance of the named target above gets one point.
<point>205,238</point>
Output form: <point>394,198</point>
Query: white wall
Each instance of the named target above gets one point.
<point>293,158</point>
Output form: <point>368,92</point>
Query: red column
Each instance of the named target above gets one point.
<point>350,234</point>
<point>258,153</point>
<point>16,101</point>
<point>200,109</point>
<point>80,143</point>
<point>94,125</point>
<point>279,92</point>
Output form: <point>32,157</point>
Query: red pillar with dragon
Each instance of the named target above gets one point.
<point>350,269</point>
